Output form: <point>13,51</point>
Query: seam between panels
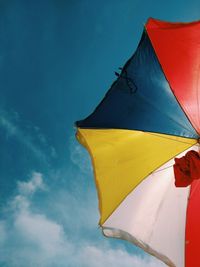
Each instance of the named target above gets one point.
<point>124,67</point>
<point>115,81</point>
<point>139,130</point>
<point>138,185</point>
<point>169,83</point>
<point>160,111</point>
<point>167,136</point>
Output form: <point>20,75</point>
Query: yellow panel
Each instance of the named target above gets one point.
<point>123,158</point>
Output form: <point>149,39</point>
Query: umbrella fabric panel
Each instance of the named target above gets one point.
<point>141,99</point>
<point>153,216</point>
<point>123,158</point>
<point>178,51</point>
<point>193,226</point>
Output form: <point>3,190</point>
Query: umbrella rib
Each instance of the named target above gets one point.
<point>197,145</point>
<point>150,173</point>
<point>169,138</point>
<point>160,111</point>
<point>169,82</point>
<point>163,169</point>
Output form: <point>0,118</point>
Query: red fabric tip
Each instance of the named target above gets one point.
<point>187,169</point>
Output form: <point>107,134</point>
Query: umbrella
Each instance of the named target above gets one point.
<point>149,117</point>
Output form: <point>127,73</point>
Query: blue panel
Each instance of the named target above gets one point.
<point>141,99</point>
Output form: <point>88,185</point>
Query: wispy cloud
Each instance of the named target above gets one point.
<point>94,256</point>
<point>36,182</point>
<point>32,238</point>
<point>29,136</point>
<point>79,156</point>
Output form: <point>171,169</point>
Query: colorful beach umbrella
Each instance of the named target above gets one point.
<point>149,117</point>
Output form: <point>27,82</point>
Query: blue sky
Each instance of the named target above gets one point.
<point>57,60</point>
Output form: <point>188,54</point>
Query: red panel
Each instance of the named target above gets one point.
<point>192,240</point>
<point>177,46</point>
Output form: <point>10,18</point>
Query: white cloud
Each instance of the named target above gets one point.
<point>47,235</point>
<point>31,238</point>
<point>35,183</point>
<point>105,256</point>
<point>76,210</point>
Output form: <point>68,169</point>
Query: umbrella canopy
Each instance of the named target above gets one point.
<point>149,116</point>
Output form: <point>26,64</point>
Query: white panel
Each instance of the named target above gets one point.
<point>153,216</point>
